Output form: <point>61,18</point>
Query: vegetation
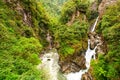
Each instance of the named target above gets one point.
<point>107,67</point>
<point>71,38</point>
<point>24,25</point>
<point>19,46</point>
<point>71,7</point>
<point>53,7</point>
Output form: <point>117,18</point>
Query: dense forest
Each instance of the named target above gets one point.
<point>24,25</point>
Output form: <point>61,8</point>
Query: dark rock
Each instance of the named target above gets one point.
<point>87,76</point>
<point>73,63</point>
<point>96,39</point>
<point>103,5</point>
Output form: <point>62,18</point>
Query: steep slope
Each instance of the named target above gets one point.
<point>53,7</point>
<point>22,25</point>
<point>107,67</point>
<point>31,27</point>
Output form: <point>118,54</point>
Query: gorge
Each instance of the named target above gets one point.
<point>51,63</point>
<point>59,40</point>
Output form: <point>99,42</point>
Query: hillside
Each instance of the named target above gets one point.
<point>30,28</point>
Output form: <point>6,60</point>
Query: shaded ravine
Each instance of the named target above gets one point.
<point>88,56</point>
<point>50,61</point>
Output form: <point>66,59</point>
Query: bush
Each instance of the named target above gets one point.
<point>91,14</point>
<point>71,37</point>
<point>19,46</point>
<point>68,9</point>
<point>110,28</point>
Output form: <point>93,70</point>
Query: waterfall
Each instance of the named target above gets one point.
<point>88,56</point>
<point>50,62</point>
<point>93,28</point>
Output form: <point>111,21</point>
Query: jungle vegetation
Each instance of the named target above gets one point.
<point>25,23</point>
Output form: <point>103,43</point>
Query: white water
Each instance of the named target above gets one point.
<point>88,56</point>
<point>50,64</point>
<point>93,28</point>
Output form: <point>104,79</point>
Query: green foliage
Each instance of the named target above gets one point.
<point>22,41</point>
<point>66,49</point>
<point>81,5</point>
<point>53,7</point>
<point>71,7</point>
<point>38,14</point>
<point>68,9</point>
<point>14,68</point>
<point>70,37</point>
<point>105,69</point>
<point>19,47</point>
<point>18,57</point>
<point>110,23</point>
<point>33,74</point>
<point>91,14</point>
<point>99,68</point>
<point>110,28</point>
<point>27,48</point>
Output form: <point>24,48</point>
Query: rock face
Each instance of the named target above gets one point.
<point>104,4</point>
<point>94,6</point>
<point>73,63</point>
<point>87,76</point>
<point>76,62</point>
<point>16,5</point>
<point>96,39</point>
<point>50,65</point>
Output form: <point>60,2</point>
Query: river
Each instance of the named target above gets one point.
<point>88,56</point>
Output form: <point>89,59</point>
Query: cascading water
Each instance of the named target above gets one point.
<point>88,56</point>
<point>93,28</point>
<point>50,62</point>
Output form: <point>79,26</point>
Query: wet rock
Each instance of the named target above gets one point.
<point>80,61</point>
<point>73,63</point>
<point>96,39</point>
<point>92,40</point>
<point>87,76</point>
